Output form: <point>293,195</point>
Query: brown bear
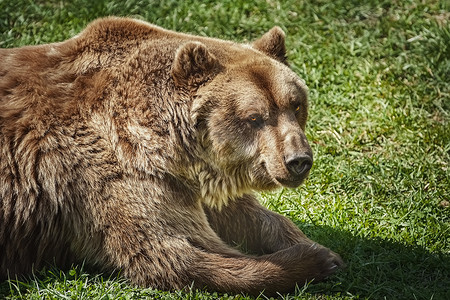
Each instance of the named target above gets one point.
<point>136,148</point>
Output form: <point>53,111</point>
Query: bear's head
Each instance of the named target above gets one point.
<point>249,110</point>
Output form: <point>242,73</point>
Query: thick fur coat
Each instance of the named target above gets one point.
<point>135,148</point>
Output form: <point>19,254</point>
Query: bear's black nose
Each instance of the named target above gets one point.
<point>298,164</point>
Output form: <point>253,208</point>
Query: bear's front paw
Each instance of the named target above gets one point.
<point>303,263</point>
<point>324,261</point>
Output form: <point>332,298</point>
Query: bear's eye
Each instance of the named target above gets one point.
<point>297,108</point>
<point>256,120</point>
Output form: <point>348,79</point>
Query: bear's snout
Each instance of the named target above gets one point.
<point>296,168</point>
<point>298,165</point>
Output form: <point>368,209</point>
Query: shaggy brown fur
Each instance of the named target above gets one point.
<point>137,148</point>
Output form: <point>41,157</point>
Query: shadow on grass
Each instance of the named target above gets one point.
<point>375,269</point>
<point>381,269</point>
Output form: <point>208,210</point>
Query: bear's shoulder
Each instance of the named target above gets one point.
<point>117,30</point>
<point>118,34</point>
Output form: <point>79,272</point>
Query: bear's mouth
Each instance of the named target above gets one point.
<point>275,181</point>
<point>289,183</point>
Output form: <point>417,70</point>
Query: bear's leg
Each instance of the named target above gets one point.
<point>250,226</point>
<point>161,238</point>
<point>174,258</point>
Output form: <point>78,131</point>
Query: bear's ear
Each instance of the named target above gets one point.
<point>194,65</point>
<point>272,44</point>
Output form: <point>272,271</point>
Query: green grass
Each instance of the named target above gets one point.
<point>379,192</point>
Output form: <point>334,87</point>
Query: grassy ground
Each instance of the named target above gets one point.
<point>379,192</point>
